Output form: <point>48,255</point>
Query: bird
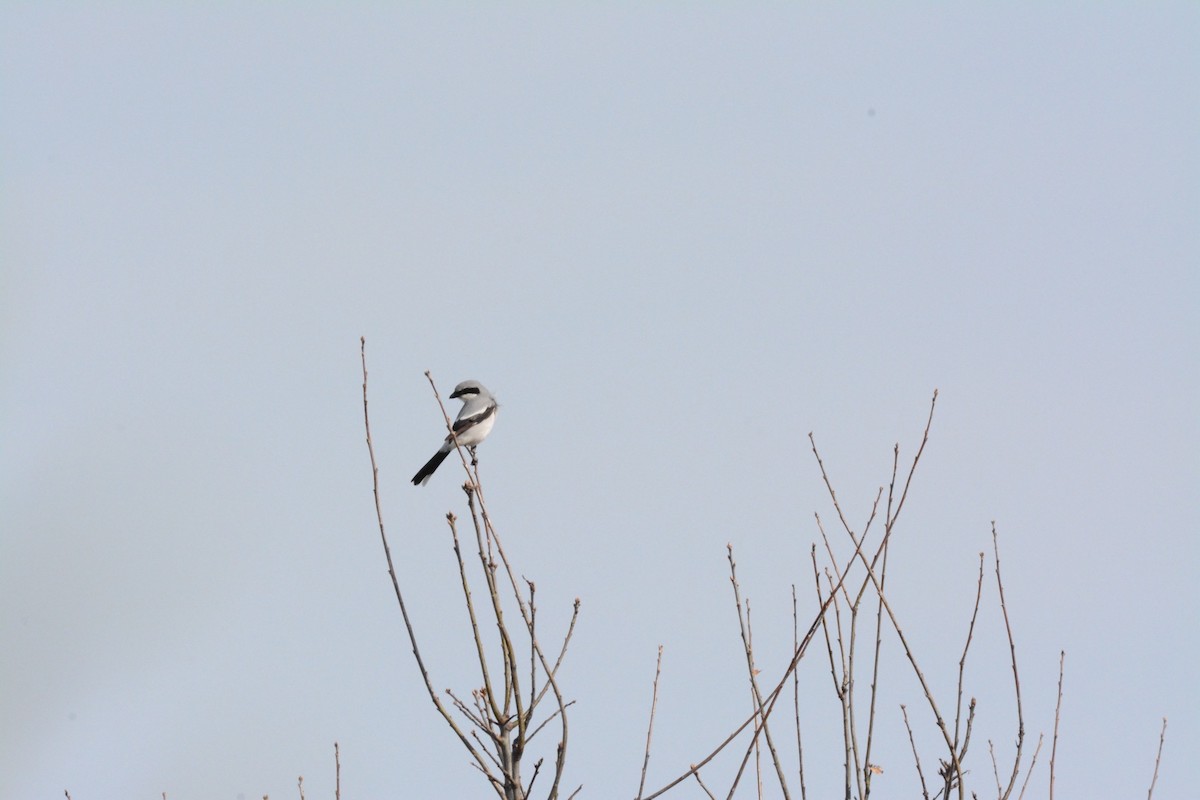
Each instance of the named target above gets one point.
<point>472,425</point>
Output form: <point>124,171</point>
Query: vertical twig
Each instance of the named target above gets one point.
<point>1012,649</point>
<point>754,698</point>
<point>1158,758</point>
<point>650,727</point>
<point>867,773</point>
<point>337,764</point>
<point>962,662</point>
<point>532,649</point>
<point>480,652</point>
<point>796,693</point>
<point>1062,656</point>
<point>995,768</point>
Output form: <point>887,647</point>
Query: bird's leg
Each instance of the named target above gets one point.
<point>474,460</point>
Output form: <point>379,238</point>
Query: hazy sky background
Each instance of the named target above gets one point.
<point>672,241</point>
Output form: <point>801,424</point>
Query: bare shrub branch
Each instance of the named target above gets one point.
<point>501,716</point>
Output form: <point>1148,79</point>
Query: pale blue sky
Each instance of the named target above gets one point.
<point>672,241</point>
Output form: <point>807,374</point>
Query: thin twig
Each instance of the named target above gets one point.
<point>961,753</point>
<point>842,686</point>
<point>650,727</point>
<point>480,653</point>
<point>476,719</point>
<point>537,768</point>
<point>756,696</point>
<point>1062,657</point>
<point>962,662</point>
<point>916,758</point>
<point>337,769</point>
<point>547,721</point>
<point>512,687</point>
<point>532,651</point>
<point>1032,764</point>
<point>711,796</point>
<point>796,695</point>
<point>865,770</point>
<point>1158,758</point>
<point>837,688</point>
<point>1012,648</point>
<point>908,482</point>
<point>995,768</point>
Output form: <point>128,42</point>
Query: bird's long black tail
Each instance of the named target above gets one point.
<point>422,476</point>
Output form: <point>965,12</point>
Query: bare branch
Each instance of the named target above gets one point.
<point>771,698</point>
<point>412,637</point>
